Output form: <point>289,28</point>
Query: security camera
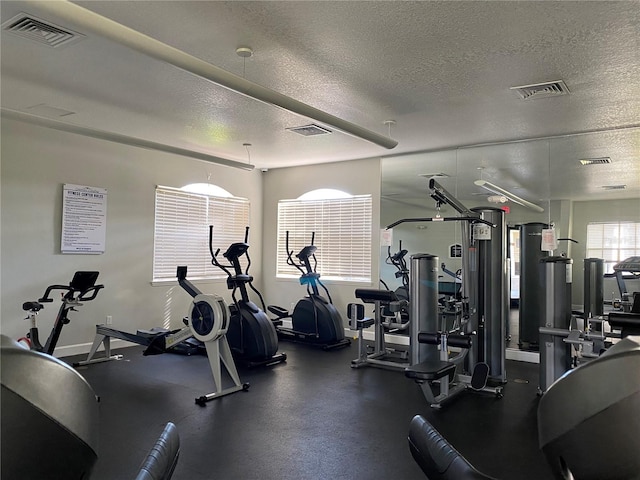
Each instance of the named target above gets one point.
<point>264,170</point>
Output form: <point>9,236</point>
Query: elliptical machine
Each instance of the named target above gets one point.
<point>251,335</point>
<point>397,321</point>
<point>315,320</point>
<point>82,288</point>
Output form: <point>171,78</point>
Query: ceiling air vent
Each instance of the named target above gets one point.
<point>595,161</point>
<point>541,90</point>
<point>431,175</point>
<point>38,30</point>
<point>310,130</point>
<point>614,187</point>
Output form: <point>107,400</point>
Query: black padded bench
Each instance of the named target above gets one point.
<point>628,322</point>
<point>370,295</point>
<point>430,370</point>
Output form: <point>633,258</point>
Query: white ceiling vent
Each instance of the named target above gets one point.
<point>310,130</point>
<point>432,175</point>
<point>541,90</point>
<point>41,31</point>
<point>595,161</point>
<point>614,187</point>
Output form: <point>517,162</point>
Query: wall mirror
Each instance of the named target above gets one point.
<point>547,173</point>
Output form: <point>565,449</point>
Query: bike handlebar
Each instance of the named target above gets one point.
<point>70,293</point>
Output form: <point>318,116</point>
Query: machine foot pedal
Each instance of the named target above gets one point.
<point>480,376</point>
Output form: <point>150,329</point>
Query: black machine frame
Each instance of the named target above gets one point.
<point>82,288</point>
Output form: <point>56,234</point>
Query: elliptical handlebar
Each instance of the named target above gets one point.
<point>303,256</point>
<point>290,260</point>
<point>214,255</point>
<point>399,262</point>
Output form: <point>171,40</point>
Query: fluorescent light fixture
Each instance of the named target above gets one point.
<point>116,32</point>
<point>119,138</point>
<point>514,198</point>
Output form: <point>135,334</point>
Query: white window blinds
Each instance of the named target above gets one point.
<point>613,242</point>
<point>342,234</point>
<point>181,235</point>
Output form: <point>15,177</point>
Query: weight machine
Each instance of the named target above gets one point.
<point>483,308</point>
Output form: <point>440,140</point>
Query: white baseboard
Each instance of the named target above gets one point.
<point>522,356</point>
<point>84,348</point>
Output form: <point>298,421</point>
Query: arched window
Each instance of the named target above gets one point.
<point>341,225</point>
<point>181,236</point>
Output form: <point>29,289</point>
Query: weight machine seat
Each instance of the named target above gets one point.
<point>589,419</point>
<point>430,370</point>
<point>436,457</point>
<point>370,295</point>
<point>163,457</point>
<point>364,323</point>
<point>628,322</point>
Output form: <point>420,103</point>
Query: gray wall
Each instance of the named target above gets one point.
<point>36,162</point>
<point>358,177</point>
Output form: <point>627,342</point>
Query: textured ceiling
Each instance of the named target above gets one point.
<point>441,70</point>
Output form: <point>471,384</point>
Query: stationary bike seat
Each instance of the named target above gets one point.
<point>32,306</point>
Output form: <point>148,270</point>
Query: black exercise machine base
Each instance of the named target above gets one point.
<point>267,362</point>
<point>303,338</point>
<point>202,400</point>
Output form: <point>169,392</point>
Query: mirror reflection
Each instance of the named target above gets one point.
<point>568,182</point>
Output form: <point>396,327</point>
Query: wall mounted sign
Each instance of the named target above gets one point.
<point>84,219</point>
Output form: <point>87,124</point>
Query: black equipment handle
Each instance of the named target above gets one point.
<point>211,242</point>
<point>94,293</point>
<point>442,219</point>
<point>45,298</point>
<point>70,291</point>
<point>460,341</point>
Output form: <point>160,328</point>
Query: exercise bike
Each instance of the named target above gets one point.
<point>251,335</point>
<point>315,320</point>
<point>82,288</point>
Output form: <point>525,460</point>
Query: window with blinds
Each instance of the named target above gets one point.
<point>181,234</point>
<point>613,242</point>
<point>342,228</point>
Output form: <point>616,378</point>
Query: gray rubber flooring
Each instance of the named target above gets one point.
<point>312,417</point>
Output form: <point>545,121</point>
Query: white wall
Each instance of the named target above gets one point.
<point>36,162</point>
<point>358,177</point>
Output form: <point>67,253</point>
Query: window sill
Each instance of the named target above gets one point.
<point>172,283</point>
